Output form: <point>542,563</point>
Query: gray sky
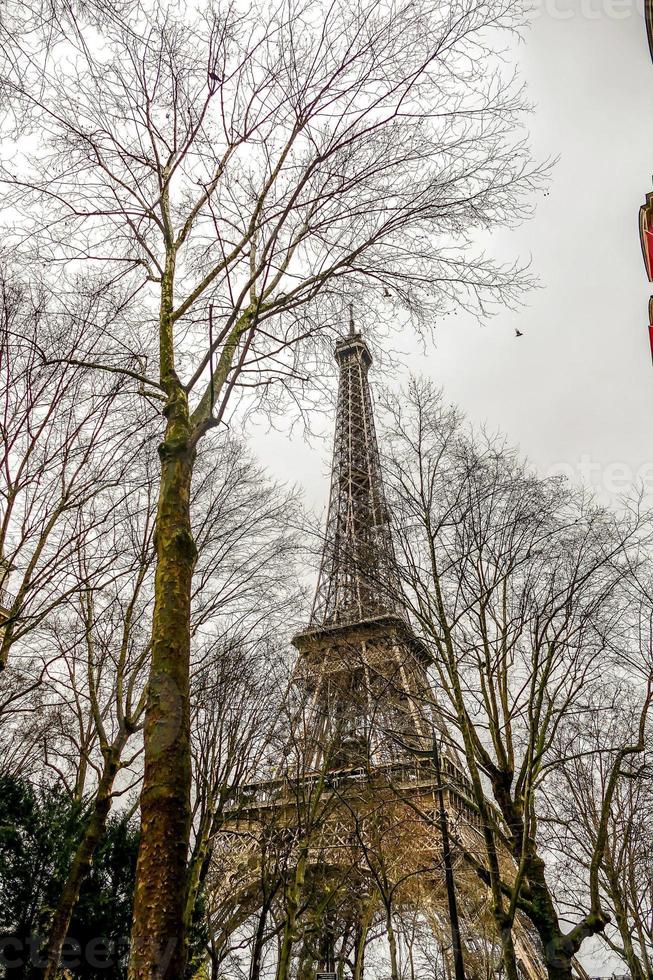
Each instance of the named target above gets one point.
<point>576,391</point>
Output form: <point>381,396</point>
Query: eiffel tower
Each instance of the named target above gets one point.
<point>358,655</point>
<point>359,805</point>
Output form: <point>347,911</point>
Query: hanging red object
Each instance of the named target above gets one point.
<point>646,234</point>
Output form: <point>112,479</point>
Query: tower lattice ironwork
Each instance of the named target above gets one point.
<point>357,580</point>
<point>360,663</point>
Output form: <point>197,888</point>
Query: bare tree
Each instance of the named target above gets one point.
<point>230,175</point>
<point>524,590</point>
<point>25,720</point>
<point>307,758</point>
<point>58,452</point>
<point>103,646</point>
<point>235,707</point>
<point>64,489</point>
<point>281,850</point>
<point>387,840</point>
<point>575,817</point>
<point>91,665</point>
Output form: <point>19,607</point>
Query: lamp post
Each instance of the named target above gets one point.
<point>459,964</point>
<point>327,969</point>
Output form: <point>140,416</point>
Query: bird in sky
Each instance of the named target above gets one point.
<point>518,333</point>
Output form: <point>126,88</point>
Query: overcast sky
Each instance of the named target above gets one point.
<point>576,390</point>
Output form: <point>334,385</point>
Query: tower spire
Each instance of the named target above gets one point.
<point>357,579</point>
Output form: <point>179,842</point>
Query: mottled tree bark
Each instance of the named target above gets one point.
<point>158,948</point>
<point>289,934</point>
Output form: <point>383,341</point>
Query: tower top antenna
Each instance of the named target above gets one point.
<point>352,331</point>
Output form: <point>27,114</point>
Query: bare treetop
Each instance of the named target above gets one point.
<point>265,156</point>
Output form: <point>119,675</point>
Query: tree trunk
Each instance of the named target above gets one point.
<point>305,967</point>
<point>557,954</point>
<point>559,966</point>
<point>285,952</point>
<point>196,872</point>
<point>411,962</point>
<point>631,958</point>
<point>501,919</point>
<point>508,957</point>
<point>559,949</point>
<point>290,924</point>
<point>361,941</point>
<point>623,926</point>
<point>456,942</point>
<point>342,956</point>
<point>158,944</point>
<point>80,867</point>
